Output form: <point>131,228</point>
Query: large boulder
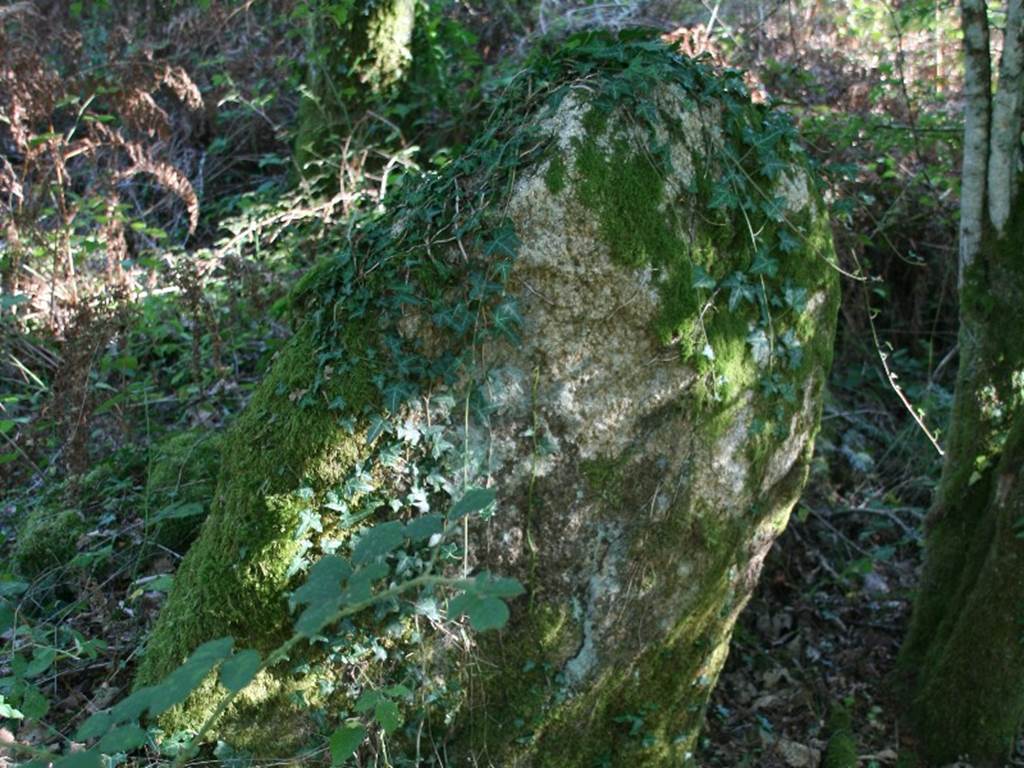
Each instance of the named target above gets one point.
<point>616,309</point>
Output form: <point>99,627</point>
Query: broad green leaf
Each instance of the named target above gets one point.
<point>484,613</point>
<point>474,500</point>
<point>6,710</point>
<point>34,705</point>
<point>487,584</point>
<point>388,715</point>
<point>489,613</point>
<point>12,588</point>
<point>422,528</point>
<point>126,710</point>
<point>368,700</point>
<point>317,616</point>
<point>42,660</point>
<point>359,588</point>
<point>89,758</point>
<point>345,741</point>
<point>123,739</point>
<point>95,725</point>
<point>378,541</point>
<point>177,686</point>
<point>238,671</point>
<point>324,581</point>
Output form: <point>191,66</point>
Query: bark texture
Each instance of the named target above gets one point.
<point>962,663</point>
<point>638,491</point>
<point>964,654</point>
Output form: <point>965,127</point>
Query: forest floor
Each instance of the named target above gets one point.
<point>823,627</point>
<point>812,636</point>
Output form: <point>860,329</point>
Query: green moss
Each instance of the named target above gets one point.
<point>841,751</point>
<point>626,190</point>
<point>554,177</point>
<point>961,664</point>
<point>235,577</point>
<point>46,539</point>
<point>180,486</point>
<point>646,705</point>
<point>624,184</point>
<point>513,696</point>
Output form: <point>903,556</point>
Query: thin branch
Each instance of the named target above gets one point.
<point>1006,112</point>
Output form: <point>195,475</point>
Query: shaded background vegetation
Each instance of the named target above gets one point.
<point>154,218</point>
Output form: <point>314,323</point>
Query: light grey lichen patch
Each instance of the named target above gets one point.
<point>626,502</point>
<point>588,322</point>
<point>597,612</point>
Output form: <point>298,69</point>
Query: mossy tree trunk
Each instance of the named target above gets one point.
<point>963,660</point>
<point>602,314</point>
<point>358,52</point>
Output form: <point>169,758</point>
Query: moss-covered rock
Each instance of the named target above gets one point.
<point>179,489</point>
<point>624,330</point>
<point>46,539</point>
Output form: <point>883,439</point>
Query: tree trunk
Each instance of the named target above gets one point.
<point>964,655</point>
<point>353,59</point>
<point>962,663</point>
<point>617,310</point>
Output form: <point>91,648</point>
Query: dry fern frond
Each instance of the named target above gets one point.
<point>182,86</point>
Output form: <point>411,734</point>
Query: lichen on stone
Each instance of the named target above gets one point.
<point>557,307</point>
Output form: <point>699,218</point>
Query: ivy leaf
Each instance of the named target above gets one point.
<point>238,671</point>
<point>474,500</point>
<point>795,297</point>
<point>775,209</point>
<point>764,264</point>
<point>345,741</point>
<point>722,196</point>
<point>702,279</point>
<point>760,347</point>
<point>378,541</point>
<point>788,242</point>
